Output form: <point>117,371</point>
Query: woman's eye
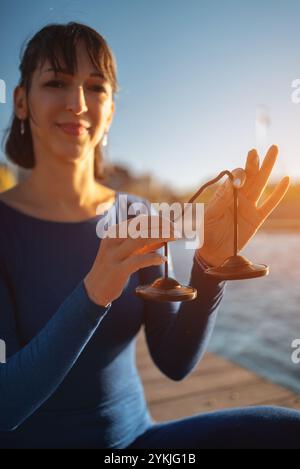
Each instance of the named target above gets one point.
<point>99,88</point>
<point>61,84</point>
<point>55,83</point>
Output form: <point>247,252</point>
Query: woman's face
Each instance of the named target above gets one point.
<point>84,98</point>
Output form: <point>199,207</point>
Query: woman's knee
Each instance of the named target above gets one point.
<point>275,414</point>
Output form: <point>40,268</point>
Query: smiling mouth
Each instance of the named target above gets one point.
<point>74,130</point>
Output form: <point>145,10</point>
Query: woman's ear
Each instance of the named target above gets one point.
<point>20,102</point>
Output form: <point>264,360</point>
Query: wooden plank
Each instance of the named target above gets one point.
<point>165,390</point>
<point>291,401</point>
<point>216,383</point>
<point>210,361</point>
<point>239,396</point>
<point>205,368</point>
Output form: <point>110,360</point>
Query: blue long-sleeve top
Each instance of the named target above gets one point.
<point>70,378</point>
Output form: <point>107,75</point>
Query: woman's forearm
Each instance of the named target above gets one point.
<point>177,338</point>
<point>31,375</point>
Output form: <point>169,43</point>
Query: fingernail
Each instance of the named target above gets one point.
<point>237,182</point>
<point>255,157</point>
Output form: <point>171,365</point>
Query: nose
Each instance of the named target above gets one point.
<point>76,101</point>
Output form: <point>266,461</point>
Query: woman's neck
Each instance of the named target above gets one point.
<point>73,186</point>
<point>60,195</point>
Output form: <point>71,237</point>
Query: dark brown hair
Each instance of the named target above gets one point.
<point>48,44</point>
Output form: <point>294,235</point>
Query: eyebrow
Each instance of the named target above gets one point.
<point>66,72</point>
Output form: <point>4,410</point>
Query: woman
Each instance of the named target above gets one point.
<point>69,315</point>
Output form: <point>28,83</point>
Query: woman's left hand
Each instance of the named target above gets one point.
<point>218,213</point>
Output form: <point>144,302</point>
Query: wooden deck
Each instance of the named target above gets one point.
<point>216,383</point>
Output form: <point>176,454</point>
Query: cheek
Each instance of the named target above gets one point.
<point>97,131</point>
<point>98,116</point>
<point>45,109</point>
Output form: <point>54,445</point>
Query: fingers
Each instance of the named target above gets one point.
<point>133,246</point>
<point>275,198</point>
<point>149,247</point>
<point>140,261</point>
<point>146,226</point>
<point>252,168</point>
<point>260,181</point>
<point>154,234</point>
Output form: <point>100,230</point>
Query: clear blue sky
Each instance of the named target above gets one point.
<point>192,73</point>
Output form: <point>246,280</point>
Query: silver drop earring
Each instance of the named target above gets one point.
<point>104,140</point>
<point>22,127</point>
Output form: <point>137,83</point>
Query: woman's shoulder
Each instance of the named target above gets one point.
<point>12,198</point>
<point>22,203</point>
<point>13,202</point>
<point>131,198</point>
<point>131,205</point>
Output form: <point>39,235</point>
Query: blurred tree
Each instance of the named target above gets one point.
<point>7,178</point>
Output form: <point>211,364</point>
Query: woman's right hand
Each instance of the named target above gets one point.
<point>118,258</point>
